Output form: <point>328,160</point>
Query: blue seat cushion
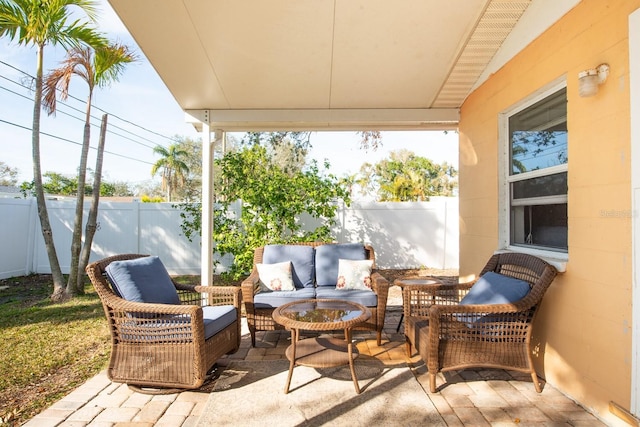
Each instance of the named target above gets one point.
<point>276,299</point>
<point>302,262</point>
<point>175,328</point>
<point>494,288</point>
<point>364,297</point>
<point>327,257</point>
<point>142,280</point>
<point>216,318</point>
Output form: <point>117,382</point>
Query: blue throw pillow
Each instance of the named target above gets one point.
<point>301,258</point>
<point>494,288</point>
<point>327,260</point>
<point>142,280</point>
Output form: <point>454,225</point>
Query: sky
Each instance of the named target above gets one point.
<point>142,114</point>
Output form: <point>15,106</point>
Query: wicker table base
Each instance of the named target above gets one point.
<point>322,352</point>
<point>321,315</point>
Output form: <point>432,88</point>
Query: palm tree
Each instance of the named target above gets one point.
<point>39,23</point>
<point>98,68</point>
<point>173,165</point>
<point>92,218</point>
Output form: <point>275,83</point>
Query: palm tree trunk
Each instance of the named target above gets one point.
<point>45,225</point>
<point>169,177</point>
<point>91,226</point>
<point>73,282</point>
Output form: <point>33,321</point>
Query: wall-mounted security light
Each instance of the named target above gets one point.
<point>589,80</point>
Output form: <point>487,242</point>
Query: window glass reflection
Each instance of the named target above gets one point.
<point>538,135</point>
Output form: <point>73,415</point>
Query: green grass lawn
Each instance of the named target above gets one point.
<point>46,349</point>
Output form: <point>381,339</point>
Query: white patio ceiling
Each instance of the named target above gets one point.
<point>330,64</point>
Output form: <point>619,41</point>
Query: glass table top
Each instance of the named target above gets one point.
<point>322,311</point>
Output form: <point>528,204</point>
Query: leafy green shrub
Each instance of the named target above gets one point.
<point>273,199</point>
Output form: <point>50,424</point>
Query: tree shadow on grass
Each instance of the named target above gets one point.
<point>26,300</point>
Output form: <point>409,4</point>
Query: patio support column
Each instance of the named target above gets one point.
<point>634,92</point>
<point>206,247</point>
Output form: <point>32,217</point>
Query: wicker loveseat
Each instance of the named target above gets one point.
<point>170,344</point>
<point>315,273</point>
<point>486,323</point>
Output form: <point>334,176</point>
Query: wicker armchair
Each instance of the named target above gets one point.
<point>163,345</point>
<point>451,336</point>
<point>260,318</point>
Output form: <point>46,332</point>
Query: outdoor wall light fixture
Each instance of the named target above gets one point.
<point>588,80</point>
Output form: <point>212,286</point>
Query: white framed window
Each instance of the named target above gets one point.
<point>534,169</point>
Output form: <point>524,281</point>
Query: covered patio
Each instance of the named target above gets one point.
<point>464,65</point>
<point>326,65</point>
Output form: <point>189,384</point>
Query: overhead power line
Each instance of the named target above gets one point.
<point>26,74</point>
<point>81,120</point>
<point>24,88</point>
<point>74,142</point>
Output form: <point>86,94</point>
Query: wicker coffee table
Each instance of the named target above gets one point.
<point>321,315</point>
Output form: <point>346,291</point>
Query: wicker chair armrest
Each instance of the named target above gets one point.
<point>478,314</point>
<point>120,304</point>
<point>379,284</point>
<point>222,295</point>
<point>445,310</point>
<point>480,322</point>
<point>250,286</point>
<point>439,288</point>
<point>145,323</point>
<point>216,295</point>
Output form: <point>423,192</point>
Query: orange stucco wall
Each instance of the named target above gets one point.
<point>583,331</point>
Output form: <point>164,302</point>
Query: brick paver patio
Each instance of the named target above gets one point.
<point>471,398</point>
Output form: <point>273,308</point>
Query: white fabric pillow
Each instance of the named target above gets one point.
<point>354,274</point>
<point>275,277</point>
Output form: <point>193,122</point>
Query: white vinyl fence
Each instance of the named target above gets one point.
<point>403,235</point>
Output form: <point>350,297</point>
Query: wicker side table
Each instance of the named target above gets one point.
<point>423,281</point>
<point>321,315</point>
